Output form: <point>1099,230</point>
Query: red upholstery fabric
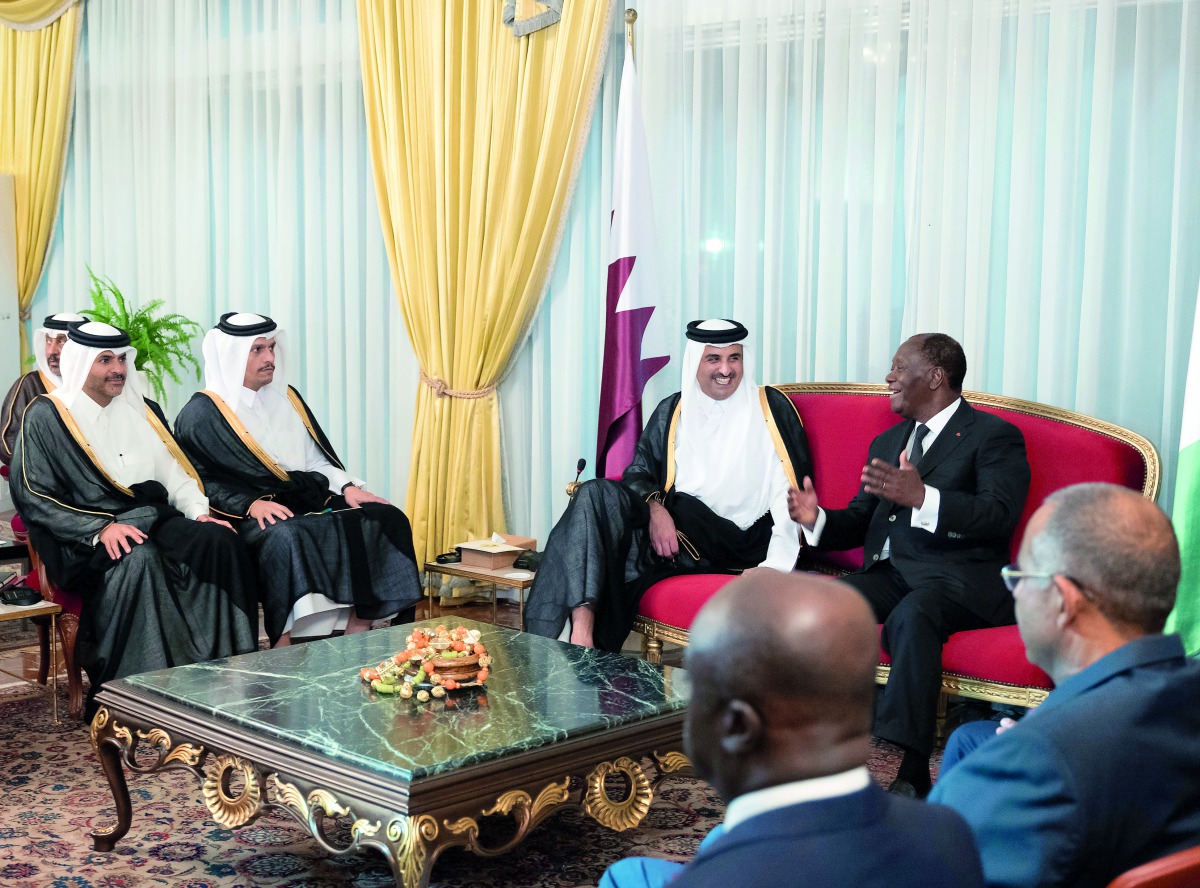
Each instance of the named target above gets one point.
<point>1062,454</point>
<point>676,600</point>
<point>838,458</point>
<point>71,604</point>
<point>1178,870</point>
<point>994,655</point>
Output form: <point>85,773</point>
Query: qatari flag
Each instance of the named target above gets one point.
<point>632,353</point>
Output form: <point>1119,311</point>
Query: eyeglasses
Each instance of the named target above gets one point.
<point>1012,575</point>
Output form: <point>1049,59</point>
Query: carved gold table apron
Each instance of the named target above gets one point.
<point>556,727</point>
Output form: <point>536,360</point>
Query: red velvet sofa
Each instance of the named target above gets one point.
<point>841,419</point>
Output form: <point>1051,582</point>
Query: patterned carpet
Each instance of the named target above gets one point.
<point>54,794</point>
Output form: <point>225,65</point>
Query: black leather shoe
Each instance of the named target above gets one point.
<point>902,787</point>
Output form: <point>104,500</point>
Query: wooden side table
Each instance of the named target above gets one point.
<point>495,578</point>
<point>46,608</point>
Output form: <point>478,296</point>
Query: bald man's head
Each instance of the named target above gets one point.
<point>782,669</point>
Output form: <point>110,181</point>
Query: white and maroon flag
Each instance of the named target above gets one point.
<point>631,356</point>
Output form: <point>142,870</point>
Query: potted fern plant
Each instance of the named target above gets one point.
<point>162,339</point>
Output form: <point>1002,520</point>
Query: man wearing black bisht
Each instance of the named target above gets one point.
<point>48,342</point>
<point>115,512</point>
<point>331,555</point>
<point>707,492</point>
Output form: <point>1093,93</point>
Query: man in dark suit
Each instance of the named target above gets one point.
<point>782,669</point>
<point>1103,776</point>
<point>940,498</point>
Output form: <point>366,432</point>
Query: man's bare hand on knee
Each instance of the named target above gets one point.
<point>118,539</point>
<point>266,512</point>
<point>210,519</point>
<point>662,531</point>
<point>356,496</point>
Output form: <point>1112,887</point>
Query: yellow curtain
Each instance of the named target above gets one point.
<point>37,76</point>
<point>476,138</point>
<point>30,15</point>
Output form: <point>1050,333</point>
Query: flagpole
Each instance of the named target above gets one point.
<point>630,18</point>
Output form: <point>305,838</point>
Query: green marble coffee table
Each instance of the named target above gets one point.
<point>557,726</point>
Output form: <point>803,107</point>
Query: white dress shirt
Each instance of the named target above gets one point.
<point>274,423</point>
<point>741,500</point>
<point>131,452</point>
<point>762,801</point>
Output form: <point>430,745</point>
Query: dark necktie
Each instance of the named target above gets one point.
<point>918,448</point>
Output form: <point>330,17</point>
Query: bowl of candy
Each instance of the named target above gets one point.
<point>432,663</point>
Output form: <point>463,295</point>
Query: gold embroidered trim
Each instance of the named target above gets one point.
<point>246,438</point>
<point>12,408</point>
<point>442,389</point>
<point>776,436</point>
<point>82,441</point>
<point>46,381</point>
<point>670,482</point>
<point>298,405</point>
<point>109,515</point>
<point>173,446</point>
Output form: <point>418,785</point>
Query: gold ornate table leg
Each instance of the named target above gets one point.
<point>116,747</point>
<point>410,843</point>
<point>111,741</point>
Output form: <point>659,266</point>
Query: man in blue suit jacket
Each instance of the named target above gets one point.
<point>941,496</point>
<point>1105,774</point>
<point>782,669</point>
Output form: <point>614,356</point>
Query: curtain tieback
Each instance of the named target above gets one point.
<point>442,390</point>
<point>26,316</point>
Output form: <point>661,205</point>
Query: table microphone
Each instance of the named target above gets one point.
<point>574,485</point>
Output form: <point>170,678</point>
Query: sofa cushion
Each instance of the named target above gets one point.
<point>675,601</point>
<point>992,655</point>
<point>1061,454</point>
<point>838,458</point>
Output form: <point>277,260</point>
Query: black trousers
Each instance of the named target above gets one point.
<point>916,620</point>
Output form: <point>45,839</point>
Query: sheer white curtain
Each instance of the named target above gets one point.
<point>218,161</point>
<point>839,174</point>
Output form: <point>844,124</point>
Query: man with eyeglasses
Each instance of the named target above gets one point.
<point>1105,774</point>
<point>940,499</point>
